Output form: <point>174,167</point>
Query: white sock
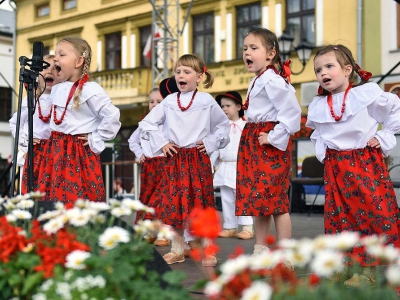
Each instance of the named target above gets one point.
<point>248,228</point>
<point>178,245</point>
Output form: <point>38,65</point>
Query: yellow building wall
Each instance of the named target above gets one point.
<point>372,59</point>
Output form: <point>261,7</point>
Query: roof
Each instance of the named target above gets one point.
<point>6,22</point>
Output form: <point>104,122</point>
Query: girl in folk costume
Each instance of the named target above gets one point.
<point>82,118</point>
<point>359,194</point>
<point>152,166</point>
<point>41,125</point>
<point>194,126</point>
<point>225,168</point>
<point>265,148</point>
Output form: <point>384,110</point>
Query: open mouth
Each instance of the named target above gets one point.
<point>57,68</point>
<point>249,62</point>
<point>326,80</point>
<point>182,84</point>
<point>49,80</point>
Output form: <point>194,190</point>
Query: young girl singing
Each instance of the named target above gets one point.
<point>194,126</point>
<point>265,148</point>
<point>82,118</point>
<point>359,194</point>
<point>41,124</point>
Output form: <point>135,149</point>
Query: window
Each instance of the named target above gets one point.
<point>247,17</point>
<point>43,10</point>
<point>5,104</point>
<point>145,33</point>
<point>113,51</point>
<point>203,36</point>
<point>69,4</point>
<point>300,18</point>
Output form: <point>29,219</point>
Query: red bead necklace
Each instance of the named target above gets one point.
<point>246,104</point>
<point>190,103</point>
<point>338,118</point>
<point>71,93</point>
<point>46,118</point>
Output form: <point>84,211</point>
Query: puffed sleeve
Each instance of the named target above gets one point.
<point>386,110</point>
<point>101,105</point>
<point>150,130</point>
<point>284,100</point>
<point>218,137</point>
<point>134,143</point>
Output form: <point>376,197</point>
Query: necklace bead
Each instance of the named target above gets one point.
<point>190,103</point>
<point>330,104</point>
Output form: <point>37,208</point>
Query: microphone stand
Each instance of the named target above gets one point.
<point>31,79</point>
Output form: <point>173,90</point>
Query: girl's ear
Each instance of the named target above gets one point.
<point>199,77</point>
<point>347,70</point>
<point>79,62</point>
<point>271,54</point>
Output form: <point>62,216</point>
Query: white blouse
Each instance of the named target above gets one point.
<point>203,121</point>
<point>96,115</point>
<point>272,100</point>
<point>140,146</point>
<point>41,130</point>
<point>367,106</point>
<point>225,174</point>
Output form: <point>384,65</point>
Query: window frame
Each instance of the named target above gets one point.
<point>41,6</point>
<point>205,32</point>
<point>301,14</point>
<point>64,2</point>
<point>245,25</point>
<point>5,104</point>
<point>144,33</point>
<point>114,51</point>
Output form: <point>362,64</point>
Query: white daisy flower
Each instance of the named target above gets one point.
<point>299,257</point>
<point>121,211</point>
<point>235,265</point>
<point>54,225</point>
<point>259,290</point>
<point>267,259</point>
<point>327,262</point>
<point>98,219</point>
<point>372,240</point>
<point>212,288</point>
<point>28,248</point>
<point>135,205</point>
<point>114,202</point>
<point>21,214</point>
<point>165,232</point>
<point>59,206</point>
<point>287,243</point>
<point>36,195</point>
<point>392,274</point>
<point>9,205</point>
<point>78,217</point>
<point>346,240</point>
<point>99,281</point>
<point>64,290</point>
<point>99,206</point>
<point>18,198</point>
<point>39,296</point>
<point>11,218</point>
<point>25,204</point>
<point>46,285</point>
<point>112,236</point>
<point>75,259</point>
<point>81,203</point>
<point>49,215</point>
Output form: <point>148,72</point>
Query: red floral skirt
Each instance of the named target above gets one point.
<point>150,176</point>
<point>359,197</point>
<point>263,174</point>
<point>187,183</point>
<point>38,156</point>
<point>70,170</point>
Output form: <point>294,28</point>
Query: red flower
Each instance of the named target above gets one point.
<point>313,280</point>
<point>204,223</point>
<point>270,240</point>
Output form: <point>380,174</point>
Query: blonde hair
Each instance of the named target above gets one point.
<point>82,48</point>
<point>196,63</point>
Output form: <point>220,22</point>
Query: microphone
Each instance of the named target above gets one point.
<point>37,62</point>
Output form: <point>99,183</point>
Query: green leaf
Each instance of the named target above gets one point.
<point>174,277</point>
<point>31,281</point>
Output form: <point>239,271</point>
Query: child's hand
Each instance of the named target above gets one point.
<point>263,138</point>
<point>85,138</point>
<point>142,158</point>
<point>36,141</point>
<point>374,143</point>
<point>169,149</point>
<point>200,146</point>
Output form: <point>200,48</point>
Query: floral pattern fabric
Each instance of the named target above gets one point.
<point>150,176</point>
<point>38,156</point>
<point>186,184</point>
<point>263,174</point>
<point>359,197</point>
<point>70,170</point>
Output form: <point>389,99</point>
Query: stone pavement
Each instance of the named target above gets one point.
<point>302,226</point>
